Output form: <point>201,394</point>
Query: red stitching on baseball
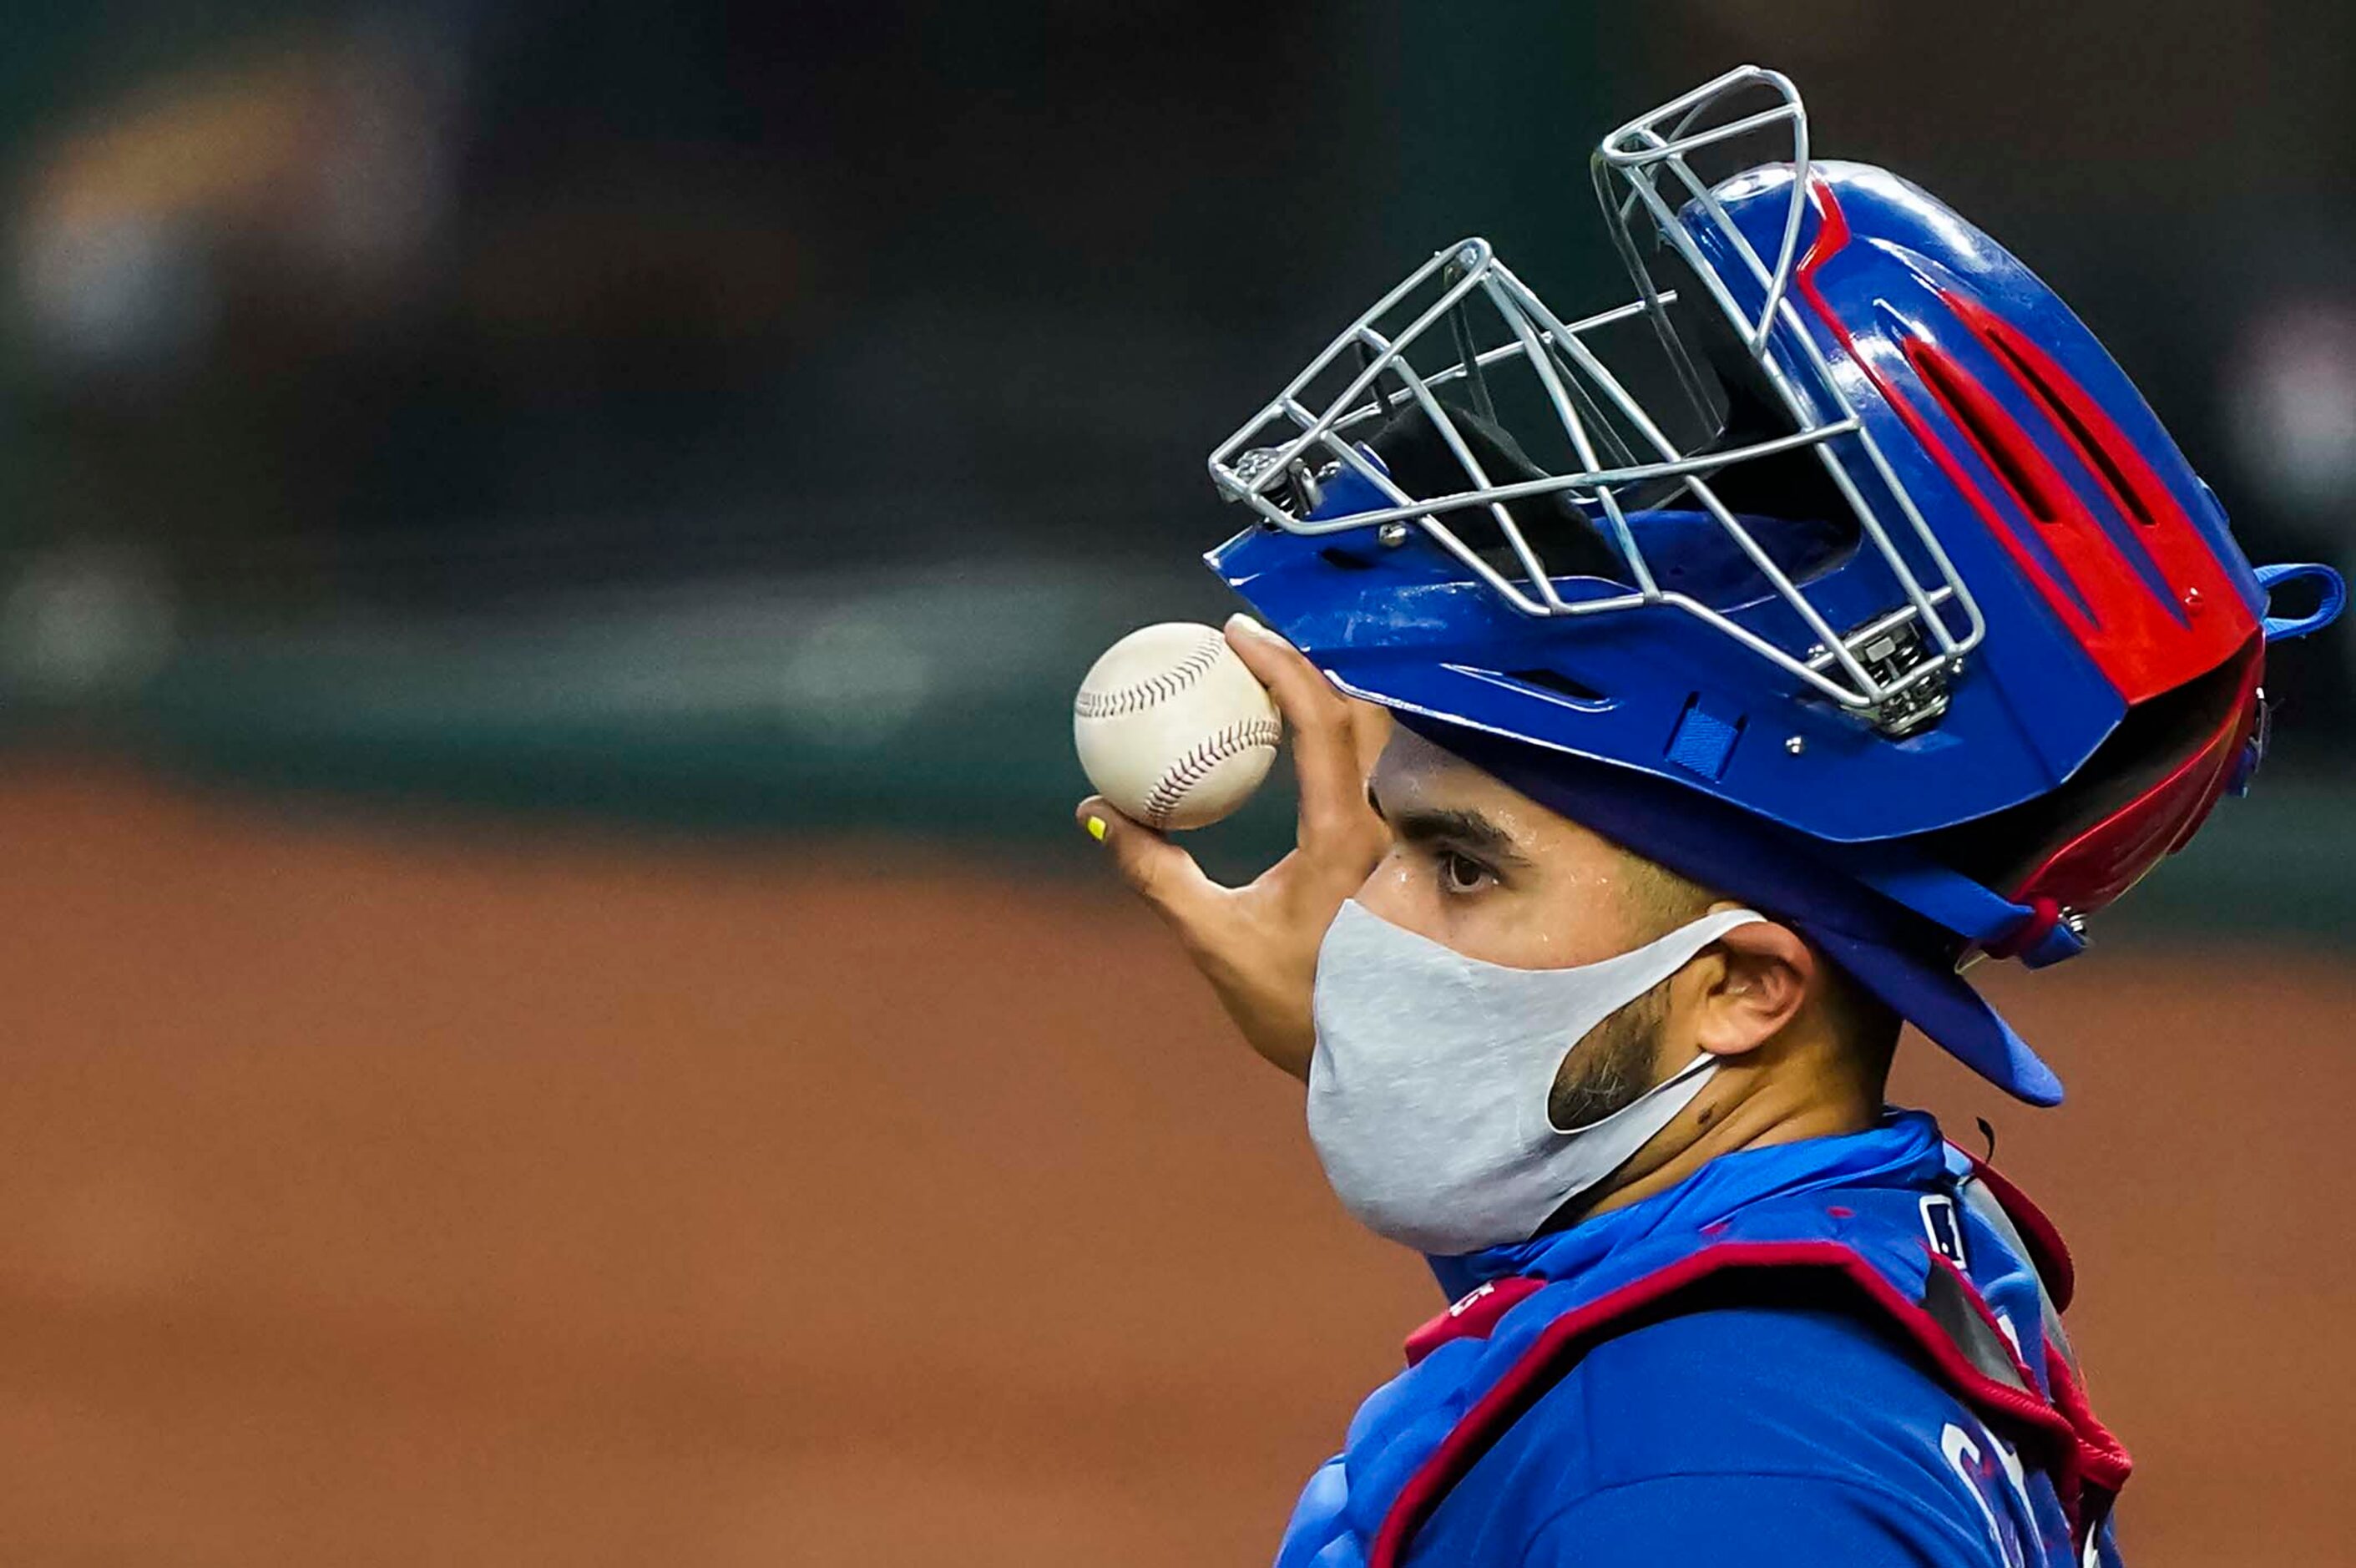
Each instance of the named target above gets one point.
<point>1155,689</point>
<point>1170,791</point>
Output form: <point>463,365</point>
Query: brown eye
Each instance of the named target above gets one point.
<point>1462,873</point>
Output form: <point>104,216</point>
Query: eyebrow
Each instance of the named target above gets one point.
<point>1433,825</point>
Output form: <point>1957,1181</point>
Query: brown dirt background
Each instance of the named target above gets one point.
<point>381,1194</point>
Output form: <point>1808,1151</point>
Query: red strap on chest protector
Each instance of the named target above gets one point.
<point>2086,1463</point>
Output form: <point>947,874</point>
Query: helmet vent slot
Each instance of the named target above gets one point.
<point>2002,443</point>
<point>1560,684</point>
<point>2092,451</point>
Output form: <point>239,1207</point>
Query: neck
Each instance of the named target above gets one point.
<point>1748,1106</point>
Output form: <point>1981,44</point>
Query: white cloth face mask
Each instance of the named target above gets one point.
<point>1428,1090</point>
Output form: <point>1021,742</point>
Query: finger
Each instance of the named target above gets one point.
<point>1156,870</point>
<point>1333,812</point>
<point>1370,731</point>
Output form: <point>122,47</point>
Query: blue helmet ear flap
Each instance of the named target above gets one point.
<point>2332,598</point>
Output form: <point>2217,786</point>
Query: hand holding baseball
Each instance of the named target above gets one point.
<point>1258,944</point>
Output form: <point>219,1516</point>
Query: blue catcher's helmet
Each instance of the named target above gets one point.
<point>1882,561</point>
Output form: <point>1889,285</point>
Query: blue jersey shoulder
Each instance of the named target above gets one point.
<point>1753,1435</point>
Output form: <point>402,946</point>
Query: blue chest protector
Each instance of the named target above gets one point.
<point>1910,1279</point>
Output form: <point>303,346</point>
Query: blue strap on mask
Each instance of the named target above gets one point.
<point>2333,598</point>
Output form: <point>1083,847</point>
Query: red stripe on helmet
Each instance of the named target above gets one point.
<point>1831,237</point>
<point>2142,644</point>
<point>2217,618</point>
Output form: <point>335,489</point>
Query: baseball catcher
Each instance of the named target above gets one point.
<point>1682,699</point>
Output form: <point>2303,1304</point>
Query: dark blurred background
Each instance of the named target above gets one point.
<point>732,413</point>
<point>543,552</point>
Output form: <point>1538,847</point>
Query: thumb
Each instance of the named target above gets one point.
<point>1156,870</point>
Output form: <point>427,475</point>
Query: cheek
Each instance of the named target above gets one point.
<point>1557,929</point>
<point>1562,921</point>
<point>1405,891</point>
<point>1399,894</point>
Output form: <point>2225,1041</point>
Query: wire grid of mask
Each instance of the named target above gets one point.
<point>1462,334</point>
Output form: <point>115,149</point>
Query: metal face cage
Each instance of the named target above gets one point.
<point>1464,323</point>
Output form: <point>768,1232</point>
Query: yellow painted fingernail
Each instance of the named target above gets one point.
<point>1096,829</point>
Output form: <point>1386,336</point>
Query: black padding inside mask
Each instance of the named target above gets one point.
<point>1421,464</point>
<point>1791,485</point>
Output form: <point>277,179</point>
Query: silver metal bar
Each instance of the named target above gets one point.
<point>1657,147</point>
<point>1342,339</point>
<point>1438,413</point>
<point>1873,628</point>
<point>1717,87</point>
<point>1593,368</point>
<point>1541,361</point>
<point>1870,519</point>
<point>1489,357</point>
<point>1788,253</point>
<point>1520,488</point>
<point>1783,585</point>
<point>1854,701</point>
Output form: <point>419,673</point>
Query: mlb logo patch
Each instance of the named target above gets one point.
<point>1945,1226</point>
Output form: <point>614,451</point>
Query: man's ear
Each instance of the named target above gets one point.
<point>1757,987</point>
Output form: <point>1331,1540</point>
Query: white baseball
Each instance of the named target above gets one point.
<point>1171,729</point>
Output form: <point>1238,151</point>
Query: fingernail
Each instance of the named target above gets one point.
<point>1096,829</point>
<point>1247,624</point>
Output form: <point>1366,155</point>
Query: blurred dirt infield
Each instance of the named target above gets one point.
<point>386,1196</point>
